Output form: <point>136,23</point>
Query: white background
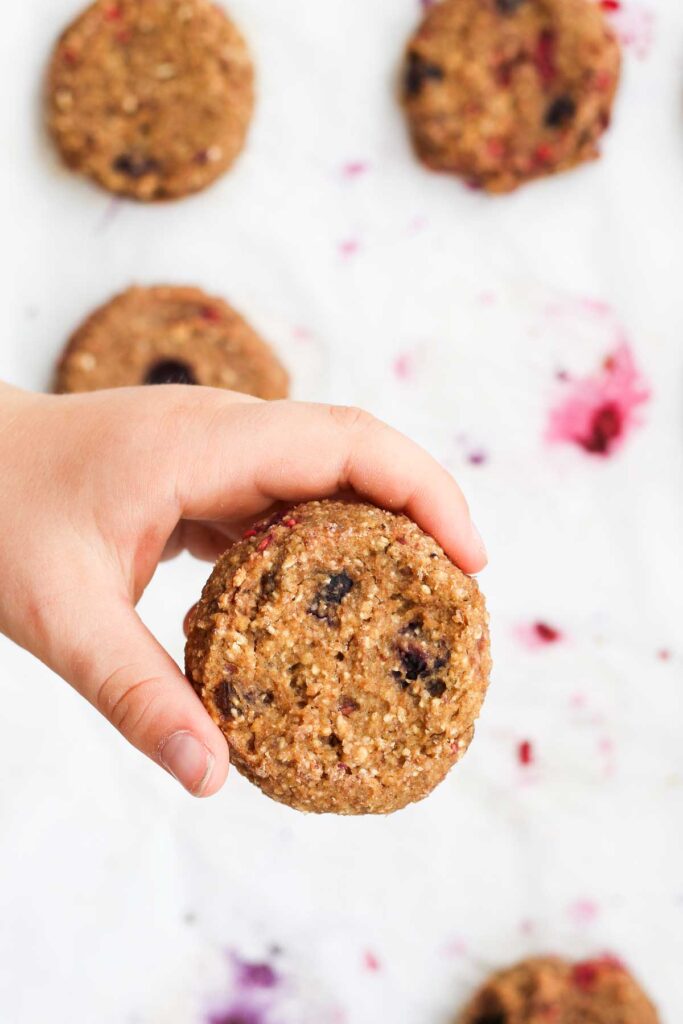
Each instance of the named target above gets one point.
<point>119,895</point>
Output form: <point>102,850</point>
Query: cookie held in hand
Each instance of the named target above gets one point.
<point>344,657</point>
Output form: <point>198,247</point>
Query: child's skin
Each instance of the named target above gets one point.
<point>97,489</point>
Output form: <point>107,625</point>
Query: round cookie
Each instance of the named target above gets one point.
<point>504,91</point>
<point>547,989</point>
<point>169,335</point>
<point>344,657</point>
<point>151,99</point>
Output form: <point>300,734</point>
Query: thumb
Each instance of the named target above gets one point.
<point>121,669</point>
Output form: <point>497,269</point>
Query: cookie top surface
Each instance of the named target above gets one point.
<point>151,98</point>
<point>536,991</point>
<point>169,335</point>
<point>504,91</point>
<point>344,657</point>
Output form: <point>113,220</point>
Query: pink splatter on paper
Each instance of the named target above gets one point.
<point>584,912</point>
<point>405,367</point>
<point>455,947</point>
<point>606,749</point>
<point>302,335</point>
<point>417,224</point>
<point>371,962</point>
<point>348,248</point>
<point>525,753</point>
<point>601,410</point>
<point>634,25</point>
<point>537,635</point>
<point>355,169</point>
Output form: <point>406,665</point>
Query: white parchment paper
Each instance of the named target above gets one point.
<point>464,320</point>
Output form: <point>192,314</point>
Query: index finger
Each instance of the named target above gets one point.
<point>260,453</point>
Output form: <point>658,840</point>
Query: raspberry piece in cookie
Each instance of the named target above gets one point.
<point>344,657</point>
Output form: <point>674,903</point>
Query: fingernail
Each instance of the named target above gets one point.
<point>480,543</point>
<point>188,761</point>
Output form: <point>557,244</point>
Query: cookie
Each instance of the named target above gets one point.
<point>504,91</point>
<point>169,335</point>
<point>543,990</point>
<point>151,99</point>
<point>344,657</point>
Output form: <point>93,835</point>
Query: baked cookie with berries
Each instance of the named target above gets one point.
<point>501,92</point>
<point>152,100</point>
<point>536,991</point>
<point>170,335</point>
<point>344,657</point>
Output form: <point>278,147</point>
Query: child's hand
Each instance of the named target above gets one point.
<point>97,488</point>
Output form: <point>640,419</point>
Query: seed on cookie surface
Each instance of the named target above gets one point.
<point>163,335</point>
<point>399,688</point>
<point>490,85</point>
<point>179,71</point>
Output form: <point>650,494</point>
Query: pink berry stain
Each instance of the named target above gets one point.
<point>525,753</point>
<point>405,367</point>
<point>584,912</point>
<point>355,169</point>
<point>537,635</point>
<point>348,248</point>
<point>371,962</point>
<point>601,410</point>
<point>634,25</point>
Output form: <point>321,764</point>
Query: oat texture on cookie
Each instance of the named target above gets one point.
<point>501,92</point>
<point>168,334</point>
<point>344,657</point>
<point>151,99</point>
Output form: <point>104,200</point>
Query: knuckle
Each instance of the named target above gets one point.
<point>127,703</point>
<point>350,417</point>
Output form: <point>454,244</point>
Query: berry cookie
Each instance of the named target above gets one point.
<point>152,100</point>
<point>504,91</point>
<point>344,657</point>
<point>169,335</point>
<point>546,990</point>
